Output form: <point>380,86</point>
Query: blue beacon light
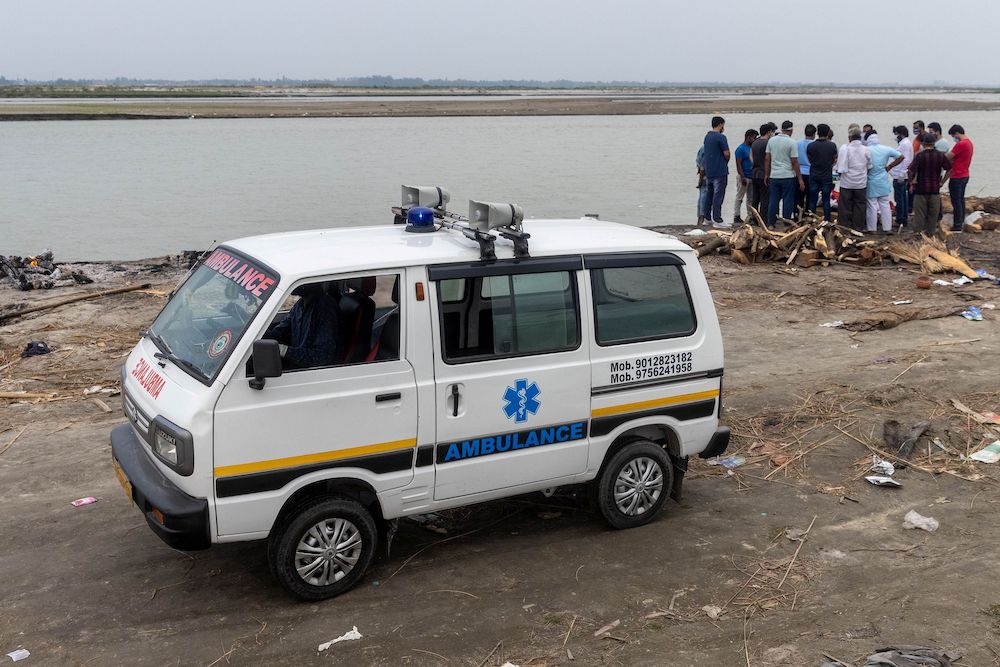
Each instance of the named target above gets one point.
<point>420,219</point>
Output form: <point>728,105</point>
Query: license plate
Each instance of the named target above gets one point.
<point>122,478</point>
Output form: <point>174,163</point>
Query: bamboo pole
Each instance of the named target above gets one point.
<point>73,299</point>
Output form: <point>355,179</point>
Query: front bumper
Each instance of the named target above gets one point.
<point>718,444</point>
<point>185,518</point>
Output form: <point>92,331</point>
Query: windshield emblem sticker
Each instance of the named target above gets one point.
<point>220,343</point>
<point>520,400</point>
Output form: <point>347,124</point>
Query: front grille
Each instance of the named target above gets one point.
<point>138,418</point>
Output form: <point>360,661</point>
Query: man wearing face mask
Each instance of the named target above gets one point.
<point>960,157</point>
<point>900,175</point>
<point>853,163</point>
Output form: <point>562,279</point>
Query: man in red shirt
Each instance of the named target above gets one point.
<point>960,157</point>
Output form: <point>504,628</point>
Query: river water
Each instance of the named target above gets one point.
<point>139,188</point>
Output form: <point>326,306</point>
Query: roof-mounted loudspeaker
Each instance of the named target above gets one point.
<point>484,215</point>
<point>425,195</point>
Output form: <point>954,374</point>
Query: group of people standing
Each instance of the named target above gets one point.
<point>774,171</point>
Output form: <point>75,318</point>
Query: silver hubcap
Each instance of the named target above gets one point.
<point>638,486</point>
<point>328,551</point>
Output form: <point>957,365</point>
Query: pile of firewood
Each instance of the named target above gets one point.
<point>811,241</point>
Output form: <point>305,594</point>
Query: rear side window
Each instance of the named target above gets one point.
<point>637,303</point>
<point>509,315</point>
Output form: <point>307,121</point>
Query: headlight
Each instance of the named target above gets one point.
<point>173,445</point>
<point>165,446</point>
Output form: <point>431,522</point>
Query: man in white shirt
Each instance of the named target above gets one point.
<point>853,162</point>
<point>900,176</point>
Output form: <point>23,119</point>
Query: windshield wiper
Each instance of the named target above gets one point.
<point>166,354</point>
<point>183,363</point>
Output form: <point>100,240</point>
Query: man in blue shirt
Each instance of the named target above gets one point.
<point>744,173</point>
<point>800,195</point>
<point>717,170</point>
<point>879,184</point>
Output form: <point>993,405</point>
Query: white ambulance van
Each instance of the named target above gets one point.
<point>311,388</point>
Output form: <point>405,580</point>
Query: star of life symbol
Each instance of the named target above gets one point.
<point>520,400</point>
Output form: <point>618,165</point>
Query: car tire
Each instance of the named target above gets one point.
<point>323,548</point>
<point>634,484</point>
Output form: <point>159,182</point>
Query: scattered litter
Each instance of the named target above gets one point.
<point>881,466</point>
<point>511,664</point>
<point>609,627</point>
<point>883,360</point>
<point>882,481</point>
<point>992,416</point>
<point>36,348</point>
<point>833,325</point>
<point>695,232</point>
<point>989,306</point>
<point>942,283</point>
<point>830,490</point>
<point>988,454</point>
<point>728,462</point>
<point>983,273</point>
<point>712,611</point>
<point>84,501</point>
<point>904,302</point>
<point>964,280</point>
<point>96,389</point>
<point>105,408</point>
<point>528,607</point>
<point>911,656</point>
<point>346,637</point>
<point>19,654</point>
<point>914,520</point>
<point>972,313</point>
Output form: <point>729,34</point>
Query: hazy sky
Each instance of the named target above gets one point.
<point>867,41</point>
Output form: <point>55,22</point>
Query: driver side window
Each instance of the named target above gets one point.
<point>338,322</point>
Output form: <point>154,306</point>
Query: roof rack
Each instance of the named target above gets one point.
<point>484,217</point>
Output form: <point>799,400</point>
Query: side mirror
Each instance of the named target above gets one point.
<point>266,362</point>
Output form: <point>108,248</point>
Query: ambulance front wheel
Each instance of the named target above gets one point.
<point>634,484</point>
<point>323,548</point>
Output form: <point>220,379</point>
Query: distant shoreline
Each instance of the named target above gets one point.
<point>393,106</point>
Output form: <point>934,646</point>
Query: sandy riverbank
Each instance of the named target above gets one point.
<point>462,106</point>
<point>92,585</point>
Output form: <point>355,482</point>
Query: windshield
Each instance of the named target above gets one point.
<point>207,315</point>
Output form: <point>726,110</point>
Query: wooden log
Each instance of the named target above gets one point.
<point>807,258</point>
<point>711,246</point>
<point>740,257</point>
<point>19,395</point>
<point>73,299</point>
<point>795,249</point>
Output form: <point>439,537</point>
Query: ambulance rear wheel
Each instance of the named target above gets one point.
<point>323,549</point>
<point>634,484</point>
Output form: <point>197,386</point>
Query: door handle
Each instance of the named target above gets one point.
<point>454,400</point>
<point>382,398</point>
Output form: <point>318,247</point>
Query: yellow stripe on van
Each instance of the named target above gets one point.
<point>319,457</point>
<point>654,403</point>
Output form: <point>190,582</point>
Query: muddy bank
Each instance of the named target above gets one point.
<point>460,106</point>
<point>722,578</point>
